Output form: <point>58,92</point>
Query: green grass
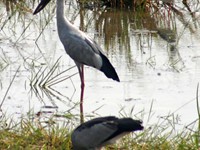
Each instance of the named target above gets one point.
<point>34,133</point>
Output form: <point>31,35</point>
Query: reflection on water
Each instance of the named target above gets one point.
<point>155,53</point>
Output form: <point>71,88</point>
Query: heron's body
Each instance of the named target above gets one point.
<point>82,49</point>
<point>76,42</point>
<point>96,133</point>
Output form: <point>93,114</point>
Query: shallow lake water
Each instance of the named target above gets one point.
<point>156,55</point>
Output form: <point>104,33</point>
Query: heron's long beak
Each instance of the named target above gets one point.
<point>41,5</point>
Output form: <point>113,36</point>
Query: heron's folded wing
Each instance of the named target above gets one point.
<point>94,135</point>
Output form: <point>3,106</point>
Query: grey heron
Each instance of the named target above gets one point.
<point>99,132</point>
<point>80,47</point>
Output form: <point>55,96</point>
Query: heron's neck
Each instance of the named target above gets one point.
<point>60,13</point>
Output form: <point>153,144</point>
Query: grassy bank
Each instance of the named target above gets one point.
<point>36,134</point>
<point>33,134</point>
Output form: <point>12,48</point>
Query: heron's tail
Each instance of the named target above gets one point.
<point>129,125</point>
<point>108,69</point>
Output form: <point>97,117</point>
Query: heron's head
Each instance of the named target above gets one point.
<point>41,5</point>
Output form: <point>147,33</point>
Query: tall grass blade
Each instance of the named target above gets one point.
<point>9,87</point>
<point>198,111</point>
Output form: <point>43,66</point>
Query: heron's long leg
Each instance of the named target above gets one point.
<point>82,93</point>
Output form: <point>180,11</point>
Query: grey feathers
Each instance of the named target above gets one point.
<point>81,48</point>
<point>102,131</point>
